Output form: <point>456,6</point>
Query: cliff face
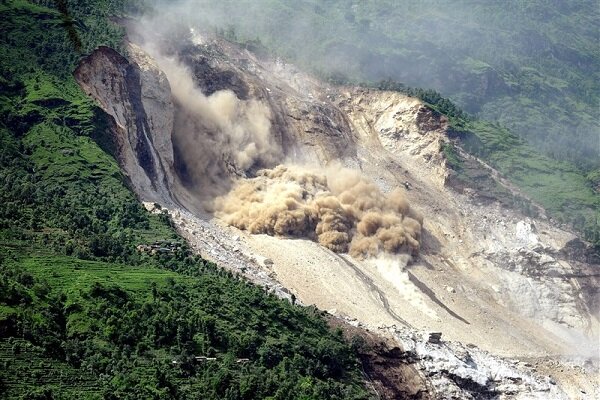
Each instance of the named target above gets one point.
<point>487,275</point>
<point>136,94</point>
<point>303,122</point>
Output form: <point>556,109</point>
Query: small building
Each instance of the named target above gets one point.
<point>203,359</point>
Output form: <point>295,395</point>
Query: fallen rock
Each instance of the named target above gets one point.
<point>435,337</point>
<point>546,259</point>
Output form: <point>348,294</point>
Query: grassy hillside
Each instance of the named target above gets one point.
<point>98,329</point>
<point>558,186</point>
<point>83,314</point>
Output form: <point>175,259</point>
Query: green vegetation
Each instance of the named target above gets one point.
<point>450,154</point>
<point>85,315</point>
<point>140,327</point>
<point>559,187</point>
<point>36,373</point>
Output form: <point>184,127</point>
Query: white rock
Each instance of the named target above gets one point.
<point>525,234</point>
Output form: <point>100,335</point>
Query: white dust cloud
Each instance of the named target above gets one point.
<point>340,209</point>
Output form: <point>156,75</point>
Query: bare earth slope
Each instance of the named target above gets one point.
<point>513,297</point>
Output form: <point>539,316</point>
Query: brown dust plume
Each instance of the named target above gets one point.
<point>338,208</point>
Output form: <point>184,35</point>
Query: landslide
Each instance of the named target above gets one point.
<point>486,273</point>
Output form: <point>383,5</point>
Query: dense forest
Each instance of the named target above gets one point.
<point>83,314</point>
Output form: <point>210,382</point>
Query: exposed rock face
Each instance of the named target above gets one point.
<point>137,96</point>
<point>303,121</point>
<point>456,371</point>
<point>402,125</point>
<point>540,284</point>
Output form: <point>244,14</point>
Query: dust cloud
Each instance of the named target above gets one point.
<point>219,135</point>
<point>220,139</point>
<point>340,209</point>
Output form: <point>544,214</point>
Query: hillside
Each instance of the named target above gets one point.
<point>545,186</point>
<point>525,71</point>
<point>363,202</point>
<point>83,313</point>
<point>529,66</point>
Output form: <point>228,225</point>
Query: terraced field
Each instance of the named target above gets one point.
<point>27,370</point>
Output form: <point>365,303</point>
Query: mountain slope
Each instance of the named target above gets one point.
<point>526,69</point>
<point>94,284</point>
<point>482,272</point>
<point>530,66</point>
